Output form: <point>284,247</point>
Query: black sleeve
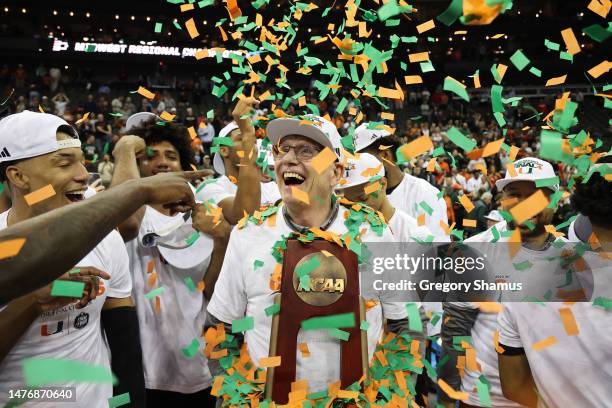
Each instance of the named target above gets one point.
<point>123,335</point>
<point>456,321</point>
<point>511,351</point>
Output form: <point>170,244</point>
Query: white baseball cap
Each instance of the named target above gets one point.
<point>218,164</point>
<point>364,137</point>
<point>529,169</point>
<point>319,130</point>
<point>139,119</point>
<point>360,169</point>
<point>494,216</point>
<point>29,134</point>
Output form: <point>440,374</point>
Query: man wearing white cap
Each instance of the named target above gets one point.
<point>42,165</point>
<point>364,181</point>
<point>308,203</point>
<point>465,319</point>
<point>239,187</point>
<point>406,192</point>
<point>493,218</point>
<point>167,253</point>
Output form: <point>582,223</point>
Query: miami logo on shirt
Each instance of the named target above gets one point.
<point>49,329</point>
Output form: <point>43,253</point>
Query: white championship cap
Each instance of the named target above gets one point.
<point>218,164</point>
<point>319,130</point>
<point>360,170</point>
<point>529,169</point>
<point>364,137</point>
<point>139,119</point>
<point>494,216</point>
<point>29,134</point>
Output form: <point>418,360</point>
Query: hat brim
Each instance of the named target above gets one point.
<point>502,183</point>
<point>279,128</point>
<point>191,256</point>
<point>140,118</point>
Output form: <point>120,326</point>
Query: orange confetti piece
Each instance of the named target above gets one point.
<point>152,279</point>
<point>372,171</point>
<point>348,394</point>
<point>470,359</point>
<point>192,132</point>
<point>445,227</point>
<point>83,119</point>
<point>201,286</point>
<point>600,69</point>
<point>145,92</point>
<point>431,165</point>
<point>458,395</point>
<point>300,195</point>
<point>513,152</point>
<point>387,116</point>
<point>476,81</point>
<point>391,93</point>
<point>556,81</point>
<point>168,117</point>
<point>570,41</point>
<point>326,253</point>
<point>542,344</point>
<point>234,10</point>
<point>492,147</point>
<point>600,7</point>
<point>466,203</point>
<point>511,170</point>
<point>421,220</point>
<point>157,304</point>
<point>417,147</point>
<point>418,56</point>
<point>569,321</point>
<point>267,362</point>
<point>150,266</point>
<point>40,109</point>
<point>469,223</point>
<point>498,348</point>
<point>303,347</point>
<point>371,188</point>
<point>217,385</point>
<point>11,247</point>
<point>426,26</point>
<point>530,207</point>
<point>201,54</point>
<point>39,195</point>
<point>323,160</point>
<point>413,79</point>
<point>186,7</point>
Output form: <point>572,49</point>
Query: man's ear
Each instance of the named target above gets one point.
<point>388,155</point>
<point>17,177</point>
<point>224,151</point>
<point>383,183</point>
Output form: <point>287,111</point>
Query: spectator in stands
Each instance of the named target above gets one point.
<point>104,132</point>
<point>106,168</point>
<point>61,102</point>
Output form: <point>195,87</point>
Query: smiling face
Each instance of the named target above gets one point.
<point>521,190</point>
<point>164,158</point>
<point>63,170</point>
<point>291,172</point>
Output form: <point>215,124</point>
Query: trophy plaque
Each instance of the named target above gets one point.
<point>334,289</point>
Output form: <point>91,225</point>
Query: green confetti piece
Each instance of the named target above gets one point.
<point>158,27</point>
<point>189,282</point>
<point>257,264</point>
<point>431,372</point>
<point>364,325</point>
<point>548,182</point>
<point>535,72</point>
<point>329,322</point>
<point>205,3</point>
<point>455,87</point>
<point>460,139</point>
<point>551,143</point>
<point>308,266</point>
<point>191,350</point>
<point>566,56</point>
<point>155,292</point>
<point>529,225</point>
<point>426,207</point>
<point>435,317</point>
<point>519,60</point>
<point>414,317</point>
<point>106,147</point>
<point>495,74</point>
<point>223,141</point>
<point>499,117</point>
<point>452,13</point>
<point>496,98</point>
<point>339,334</point>
<point>554,199</point>
<point>272,310</point>
<point>119,400</point>
<point>341,105</point>
<point>66,288</point>
<point>43,371</point>
<point>483,393</point>
<point>192,238</point>
<point>597,32</point>
<point>606,303</point>
<point>244,324</point>
<point>551,45</point>
<point>521,266</point>
<point>177,25</point>
<point>74,271</point>
<point>426,66</point>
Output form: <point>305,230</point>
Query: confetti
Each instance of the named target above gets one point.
<point>191,350</point>
<point>530,207</point>
<point>268,362</point>
<point>556,81</point>
<point>426,26</point>
<point>413,79</point>
<point>300,195</point>
<point>11,247</point>
<point>600,69</point>
<point>569,321</point>
<point>323,160</point>
<point>460,140</point>
<point>600,7</point>
<point>451,84</point>
<point>570,41</point>
<point>466,203</point>
<point>519,60</point>
<point>39,195</point>
<point>42,371</point>
<point>414,317</point>
<point>452,13</point>
<point>417,147</point>
<point>146,93</point>
<point>542,344</point>
<point>329,322</point>
<point>66,288</point>
<point>242,325</point>
<point>119,400</point>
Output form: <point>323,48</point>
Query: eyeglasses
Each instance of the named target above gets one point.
<point>302,152</point>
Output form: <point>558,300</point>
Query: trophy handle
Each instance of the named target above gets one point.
<point>272,351</point>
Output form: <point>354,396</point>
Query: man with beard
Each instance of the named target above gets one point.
<point>308,204</point>
<point>540,275</point>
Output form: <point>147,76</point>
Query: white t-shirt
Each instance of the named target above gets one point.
<point>223,188</point>
<point>407,196</point>
<point>485,325</point>
<point>405,228</point>
<point>576,371</point>
<point>244,291</point>
<point>181,317</point>
<point>474,184</point>
<point>70,333</point>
